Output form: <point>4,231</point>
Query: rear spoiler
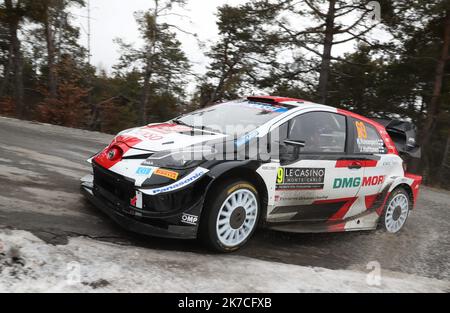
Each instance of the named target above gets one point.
<point>404,135</point>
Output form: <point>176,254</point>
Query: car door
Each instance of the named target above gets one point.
<point>321,180</point>
<point>370,147</point>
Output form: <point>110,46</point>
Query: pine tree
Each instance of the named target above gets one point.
<point>313,28</point>
<point>54,25</point>
<point>161,62</point>
<point>242,58</point>
<point>12,15</point>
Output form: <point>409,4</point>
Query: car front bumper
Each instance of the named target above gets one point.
<point>164,225</point>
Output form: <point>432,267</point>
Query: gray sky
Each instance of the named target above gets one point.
<point>112,19</point>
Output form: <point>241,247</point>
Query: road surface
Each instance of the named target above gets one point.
<point>40,167</point>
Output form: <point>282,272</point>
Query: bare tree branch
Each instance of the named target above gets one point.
<point>181,30</point>
<point>298,42</point>
<point>356,23</point>
<point>315,10</point>
<point>357,36</point>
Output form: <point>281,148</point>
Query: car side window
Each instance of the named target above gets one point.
<point>368,140</point>
<point>321,131</point>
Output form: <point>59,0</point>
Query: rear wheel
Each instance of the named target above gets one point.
<point>230,215</point>
<point>396,211</point>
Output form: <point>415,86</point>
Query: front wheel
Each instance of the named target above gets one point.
<point>231,216</point>
<point>396,211</point>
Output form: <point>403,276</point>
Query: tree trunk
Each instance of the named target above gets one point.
<point>326,55</point>
<point>49,37</point>
<point>143,118</point>
<point>7,72</point>
<point>218,90</point>
<point>95,120</point>
<point>433,107</point>
<point>13,26</point>
<point>145,97</point>
<point>445,164</point>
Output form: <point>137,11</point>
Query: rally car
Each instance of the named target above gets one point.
<point>286,164</point>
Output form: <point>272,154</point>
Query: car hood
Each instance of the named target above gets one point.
<point>138,144</point>
<point>165,136</point>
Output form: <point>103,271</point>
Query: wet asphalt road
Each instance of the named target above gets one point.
<point>40,167</point>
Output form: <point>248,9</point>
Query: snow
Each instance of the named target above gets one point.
<point>27,264</point>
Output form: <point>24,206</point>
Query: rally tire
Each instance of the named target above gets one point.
<point>396,211</point>
<point>230,215</point>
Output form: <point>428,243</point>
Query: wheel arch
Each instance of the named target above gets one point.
<point>238,170</point>
<point>410,183</point>
<point>408,189</point>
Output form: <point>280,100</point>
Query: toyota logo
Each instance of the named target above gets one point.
<point>113,153</point>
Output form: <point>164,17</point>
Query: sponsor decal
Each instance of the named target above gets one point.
<point>147,171</point>
<point>152,136</point>
<point>299,198</point>
<point>370,145</point>
<point>159,131</point>
<point>353,182</point>
<point>366,145</point>
<point>136,201</point>
<point>168,128</point>
<point>166,173</point>
<point>361,129</point>
<point>411,141</point>
<point>147,163</point>
<point>189,219</point>
<point>300,178</point>
<point>188,179</point>
<point>133,201</point>
<point>262,106</point>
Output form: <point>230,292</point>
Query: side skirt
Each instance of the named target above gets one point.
<point>366,221</point>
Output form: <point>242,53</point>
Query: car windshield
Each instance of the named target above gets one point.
<point>232,118</point>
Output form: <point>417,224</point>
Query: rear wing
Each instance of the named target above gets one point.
<point>404,136</point>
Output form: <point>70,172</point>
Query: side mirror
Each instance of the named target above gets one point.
<point>289,152</point>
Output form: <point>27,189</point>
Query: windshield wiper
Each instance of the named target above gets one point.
<point>180,122</point>
<point>201,127</point>
<point>210,129</point>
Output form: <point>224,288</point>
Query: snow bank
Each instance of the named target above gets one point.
<point>28,264</point>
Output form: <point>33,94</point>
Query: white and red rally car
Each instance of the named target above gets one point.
<point>285,164</point>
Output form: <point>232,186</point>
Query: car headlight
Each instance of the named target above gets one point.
<point>184,158</point>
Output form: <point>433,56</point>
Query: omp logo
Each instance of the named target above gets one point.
<point>189,219</point>
<point>352,182</point>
